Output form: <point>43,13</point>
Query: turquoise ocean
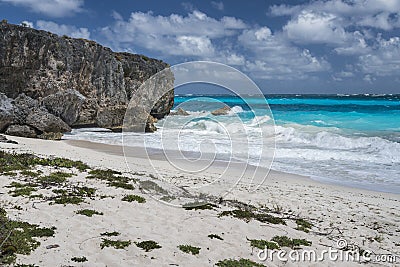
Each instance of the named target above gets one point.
<point>351,140</point>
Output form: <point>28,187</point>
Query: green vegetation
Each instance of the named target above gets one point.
<point>19,238</point>
<point>303,225</point>
<point>189,249</point>
<point>88,212</point>
<point>248,215</point>
<point>14,161</point>
<point>148,245</point>
<point>79,259</point>
<point>285,241</point>
<point>110,234</point>
<point>238,263</point>
<point>23,190</point>
<point>64,200</point>
<point>73,195</point>
<point>54,179</point>
<point>199,206</point>
<point>113,178</point>
<point>212,236</point>
<point>262,244</point>
<point>131,198</point>
<point>28,173</point>
<point>117,244</point>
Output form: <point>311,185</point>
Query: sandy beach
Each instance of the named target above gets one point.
<point>366,219</point>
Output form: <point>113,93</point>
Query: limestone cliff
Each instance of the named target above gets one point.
<point>77,80</point>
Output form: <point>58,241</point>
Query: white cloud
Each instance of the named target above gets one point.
<point>384,60</point>
<point>340,76</point>
<point>311,27</point>
<point>27,24</point>
<point>381,14</point>
<point>190,35</point>
<point>62,29</point>
<point>217,5</point>
<point>51,8</point>
<point>273,57</point>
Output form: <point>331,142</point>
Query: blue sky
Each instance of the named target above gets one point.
<point>325,46</point>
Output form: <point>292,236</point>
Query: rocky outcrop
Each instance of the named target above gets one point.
<point>76,80</point>
<point>65,104</point>
<point>179,112</point>
<point>221,111</point>
<point>26,117</point>
<point>4,139</point>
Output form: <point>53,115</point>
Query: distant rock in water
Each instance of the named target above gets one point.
<point>221,111</point>
<point>51,83</point>
<point>180,112</point>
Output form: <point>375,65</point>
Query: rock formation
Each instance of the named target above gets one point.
<point>221,111</point>
<point>51,83</point>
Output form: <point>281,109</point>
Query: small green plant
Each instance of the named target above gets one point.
<point>238,263</point>
<point>88,212</point>
<point>262,244</point>
<point>110,234</point>
<point>131,198</point>
<point>54,179</point>
<point>285,241</point>
<point>199,206</point>
<point>64,200</point>
<point>32,174</point>
<point>19,238</point>
<point>79,259</point>
<point>113,178</point>
<point>212,236</point>
<point>148,245</point>
<point>189,249</point>
<point>303,225</point>
<point>117,244</point>
<point>22,191</point>
<point>247,215</point>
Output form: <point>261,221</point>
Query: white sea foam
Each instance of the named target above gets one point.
<point>320,152</point>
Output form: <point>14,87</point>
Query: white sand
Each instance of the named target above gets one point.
<point>356,215</point>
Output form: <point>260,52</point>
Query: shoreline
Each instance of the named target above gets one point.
<point>118,150</point>
<point>293,207</point>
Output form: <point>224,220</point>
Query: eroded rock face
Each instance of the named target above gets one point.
<point>25,117</point>
<point>77,80</point>
<point>6,112</point>
<point>21,130</point>
<point>65,104</point>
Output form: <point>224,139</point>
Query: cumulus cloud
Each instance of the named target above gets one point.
<point>62,29</point>
<point>190,35</point>
<point>51,8</point>
<point>312,27</point>
<point>27,24</point>
<point>273,57</point>
<point>381,14</point>
<point>384,60</point>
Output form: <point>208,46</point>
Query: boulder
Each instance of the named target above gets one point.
<point>7,115</point>
<point>4,139</point>
<point>46,122</point>
<point>179,112</point>
<point>65,104</point>
<point>21,130</point>
<point>221,111</point>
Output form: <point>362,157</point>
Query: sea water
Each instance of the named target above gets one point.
<point>342,139</point>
